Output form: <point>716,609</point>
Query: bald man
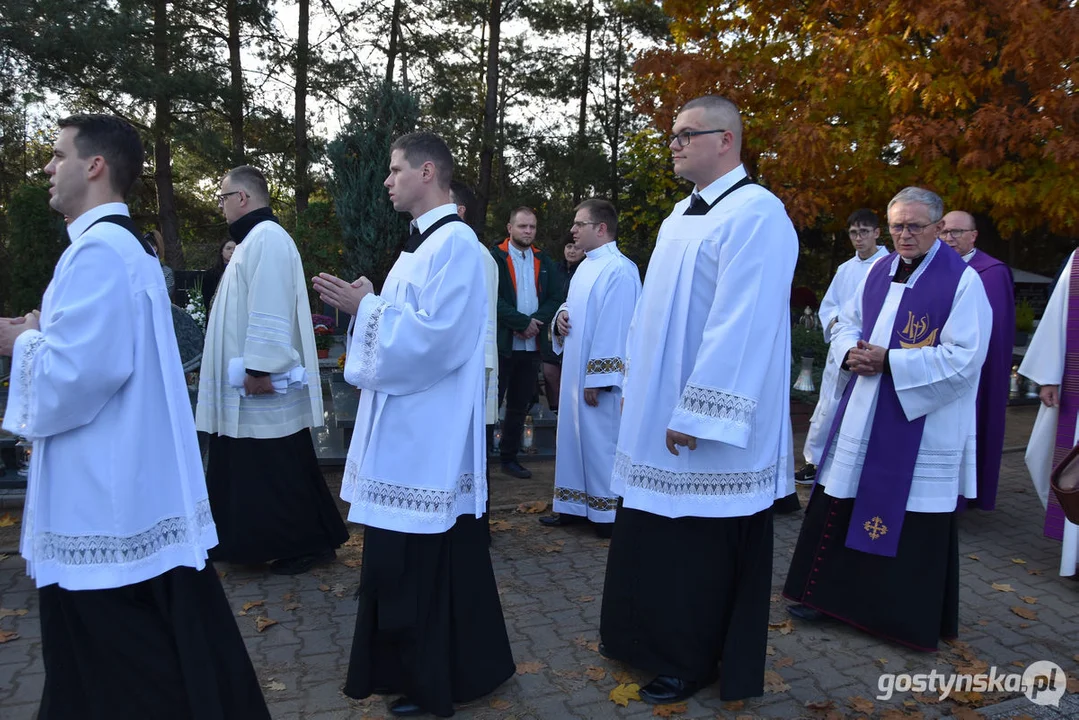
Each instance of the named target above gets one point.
<point>960,232</point>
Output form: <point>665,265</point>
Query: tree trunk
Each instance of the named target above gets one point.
<point>168,222</point>
<point>236,84</point>
<point>395,34</point>
<point>303,150</point>
<point>616,130</point>
<point>582,115</point>
<point>490,109</point>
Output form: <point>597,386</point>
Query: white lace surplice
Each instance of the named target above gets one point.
<point>417,459</point>
<point>709,356</point>
<point>116,493</point>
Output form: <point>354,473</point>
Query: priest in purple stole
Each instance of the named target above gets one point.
<point>879,545</point>
<point>961,232</point>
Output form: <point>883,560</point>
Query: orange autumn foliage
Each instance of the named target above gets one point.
<point>847,101</point>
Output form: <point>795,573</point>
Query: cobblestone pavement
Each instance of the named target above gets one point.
<point>1015,609</point>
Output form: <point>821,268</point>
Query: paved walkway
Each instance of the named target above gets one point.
<point>1015,609</point>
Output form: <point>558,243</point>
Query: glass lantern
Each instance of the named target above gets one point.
<point>805,377</point>
<point>23,449</point>
<point>527,434</point>
<point>497,437</point>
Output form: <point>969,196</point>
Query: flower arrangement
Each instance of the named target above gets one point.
<point>341,362</point>
<point>324,327</point>
<point>195,307</point>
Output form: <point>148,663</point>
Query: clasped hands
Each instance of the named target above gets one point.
<point>340,294</point>
<point>866,359</point>
<point>529,332</point>
<point>12,328</point>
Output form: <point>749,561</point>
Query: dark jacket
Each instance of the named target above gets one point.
<point>550,290</point>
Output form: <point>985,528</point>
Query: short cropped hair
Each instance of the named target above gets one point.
<point>721,110</point>
<point>421,147</point>
<point>601,211</point>
<point>921,196</point>
<point>251,179</point>
<point>115,140</point>
<point>864,217</point>
<point>521,209</point>
<point>462,194</point>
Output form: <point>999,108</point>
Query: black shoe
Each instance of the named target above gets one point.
<point>666,689</point>
<point>603,651</point>
<point>804,612</point>
<point>403,707</point>
<point>787,505</point>
<point>560,520</point>
<point>515,469</point>
<point>807,475</point>
<point>604,530</point>
<point>301,563</point>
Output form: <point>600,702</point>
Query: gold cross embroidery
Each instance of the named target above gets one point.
<point>875,527</point>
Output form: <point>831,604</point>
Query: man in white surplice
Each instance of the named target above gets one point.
<point>878,548</point>
<point>260,395</point>
<point>600,305</point>
<point>1044,363</point>
<point>863,228</point>
<point>704,443</point>
<point>429,625</point>
<point>117,525</point>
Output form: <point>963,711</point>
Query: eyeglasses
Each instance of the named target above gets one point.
<point>577,225</point>
<point>860,232</point>
<point>954,233</point>
<point>682,139</point>
<point>914,229</point>
<point>224,196</point>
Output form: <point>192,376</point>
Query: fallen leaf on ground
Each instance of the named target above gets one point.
<point>983,622</point>
<point>352,563</point>
<point>293,606</point>
<point>1073,684</point>
<point>894,714</point>
<point>927,699</point>
<point>785,628</point>
<point>595,673</point>
<point>593,646</point>
<point>860,704</point>
<point>783,662</point>
<point>1024,626</point>
<point>580,641</point>
<point>773,682</point>
<point>1028,599</point>
<point>820,705</point>
<point>976,667</point>
<point>622,677</point>
<point>734,705</point>
<point>4,612</point>
<point>8,520</point>
<point>251,604</point>
<point>966,698</point>
<point>500,704</point>
<point>8,636</point>
<point>1025,613</point>
<point>324,587</point>
<point>1003,587</point>
<point>535,506</point>
<point>669,710</point>
<point>973,557</point>
<point>776,598</point>
<point>287,596</point>
<point>1075,657</point>
<point>1019,561</point>
<point>262,622</point>
<point>500,526</point>
<point>586,598</point>
<point>965,713</point>
<point>622,694</point>
<point>530,668</point>
<point>770,650</point>
<point>557,547</point>
<point>1019,663</point>
<point>274,685</point>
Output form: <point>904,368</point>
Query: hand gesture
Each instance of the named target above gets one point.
<point>342,295</point>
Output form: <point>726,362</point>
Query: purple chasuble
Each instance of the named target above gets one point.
<point>995,380</point>
<point>888,471</point>
<point>1069,402</point>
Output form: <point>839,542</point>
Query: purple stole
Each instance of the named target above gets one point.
<point>1069,401</point>
<point>884,486</point>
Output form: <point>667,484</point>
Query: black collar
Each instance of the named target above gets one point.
<point>238,230</point>
<point>416,239</point>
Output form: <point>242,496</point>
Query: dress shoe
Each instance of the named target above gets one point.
<point>604,530</point>
<point>787,505</point>
<point>301,563</point>
<point>403,707</point>
<point>666,689</point>
<point>515,469</point>
<point>807,475</point>
<point>560,520</point>
<point>804,612</point>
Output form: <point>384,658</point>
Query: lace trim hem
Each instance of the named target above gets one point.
<point>704,403</point>
<point>90,550</point>
<point>669,482</point>
<point>605,366</point>
<point>404,500</point>
<point>580,497</point>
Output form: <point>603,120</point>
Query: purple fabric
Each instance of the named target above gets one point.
<point>884,486</point>
<point>1069,401</point>
<point>996,376</point>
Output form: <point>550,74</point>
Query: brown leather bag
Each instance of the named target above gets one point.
<point>1065,484</point>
